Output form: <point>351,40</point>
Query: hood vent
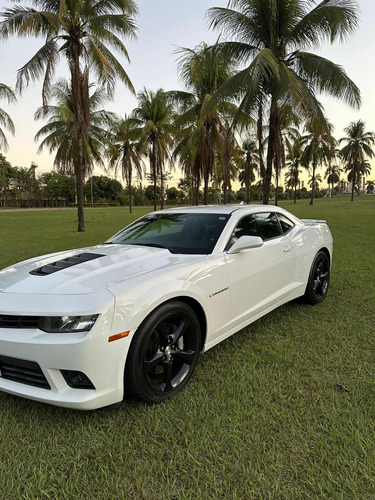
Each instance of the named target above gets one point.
<point>64,263</point>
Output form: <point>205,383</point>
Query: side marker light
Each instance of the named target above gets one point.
<point>118,336</point>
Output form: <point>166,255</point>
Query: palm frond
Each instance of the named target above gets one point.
<point>328,77</point>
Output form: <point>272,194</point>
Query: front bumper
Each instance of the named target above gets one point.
<point>101,361</point>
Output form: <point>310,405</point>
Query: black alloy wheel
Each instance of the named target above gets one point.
<point>317,286</point>
<point>163,353</point>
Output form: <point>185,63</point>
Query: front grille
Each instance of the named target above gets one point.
<point>7,321</point>
<point>22,371</point>
<point>59,265</point>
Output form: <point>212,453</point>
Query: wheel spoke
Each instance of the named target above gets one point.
<point>150,364</point>
<point>187,356</point>
<point>324,276</point>
<point>167,385</point>
<point>162,330</point>
<point>179,331</point>
<point>315,285</point>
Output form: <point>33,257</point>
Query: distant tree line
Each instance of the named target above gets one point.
<point>21,187</point>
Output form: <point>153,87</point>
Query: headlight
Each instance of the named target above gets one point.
<point>66,324</point>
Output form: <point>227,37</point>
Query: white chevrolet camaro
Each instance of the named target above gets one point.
<point>81,328</point>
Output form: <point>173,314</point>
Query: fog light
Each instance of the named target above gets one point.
<point>77,380</point>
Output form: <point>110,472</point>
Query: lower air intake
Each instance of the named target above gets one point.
<point>22,371</point>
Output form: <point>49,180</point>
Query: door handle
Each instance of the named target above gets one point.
<point>287,249</point>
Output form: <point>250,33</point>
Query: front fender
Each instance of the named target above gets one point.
<point>201,283</point>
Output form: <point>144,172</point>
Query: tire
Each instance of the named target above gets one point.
<point>163,353</point>
<point>317,285</point>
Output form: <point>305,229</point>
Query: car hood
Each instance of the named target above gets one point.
<point>116,263</point>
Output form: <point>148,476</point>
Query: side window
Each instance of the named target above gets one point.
<point>267,225</point>
<point>285,223</point>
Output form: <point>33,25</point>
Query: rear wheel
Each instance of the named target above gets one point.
<point>163,353</point>
<point>317,286</point>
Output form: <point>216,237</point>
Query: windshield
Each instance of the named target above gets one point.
<point>179,233</point>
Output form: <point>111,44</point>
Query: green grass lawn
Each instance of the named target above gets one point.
<point>284,409</point>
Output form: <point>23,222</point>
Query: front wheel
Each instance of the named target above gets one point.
<point>317,286</point>
<point>163,353</point>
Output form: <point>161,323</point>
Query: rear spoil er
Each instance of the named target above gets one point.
<point>220,291</point>
<point>313,221</point>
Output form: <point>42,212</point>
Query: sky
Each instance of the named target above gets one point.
<point>163,26</point>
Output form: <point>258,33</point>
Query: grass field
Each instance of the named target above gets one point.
<point>284,409</point>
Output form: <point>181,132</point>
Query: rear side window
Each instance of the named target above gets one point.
<point>285,223</point>
<point>264,224</point>
<point>267,225</point>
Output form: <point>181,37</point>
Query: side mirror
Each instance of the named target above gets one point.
<point>245,243</point>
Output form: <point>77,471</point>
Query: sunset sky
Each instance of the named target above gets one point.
<point>164,26</point>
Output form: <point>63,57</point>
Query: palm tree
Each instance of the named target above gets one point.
<point>293,161</point>
<point>124,151</point>
<point>370,186</point>
<point>153,117</point>
<point>187,153</point>
<point>5,120</point>
<point>314,181</point>
<point>202,70</point>
<point>249,165</point>
<point>78,31</point>
<point>270,43</point>
<point>59,135</point>
<point>332,174</point>
<point>357,149</point>
<point>318,149</point>
<point>288,123</point>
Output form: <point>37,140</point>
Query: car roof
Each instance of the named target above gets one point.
<point>221,209</point>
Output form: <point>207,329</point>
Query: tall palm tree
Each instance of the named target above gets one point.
<point>318,149</point>
<point>357,149</point>
<point>5,120</point>
<point>271,39</point>
<point>59,135</point>
<point>82,32</point>
<point>293,162</point>
<point>332,174</point>
<point>153,117</point>
<point>187,153</point>
<point>203,70</point>
<point>124,151</point>
<point>249,165</point>
<point>288,123</point>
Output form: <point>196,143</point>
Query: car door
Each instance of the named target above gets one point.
<point>260,278</point>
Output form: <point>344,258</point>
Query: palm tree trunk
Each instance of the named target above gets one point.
<point>353,184</point>
<point>197,192</point>
<point>153,169</point>
<point>260,140</point>
<point>271,152</point>
<point>79,89</point>
<point>313,181</point>
<point>276,178</point>
<point>161,187</point>
<point>130,189</point>
<point>205,190</point>
<point>247,182</point>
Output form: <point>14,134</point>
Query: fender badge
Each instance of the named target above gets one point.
<point>220,291</point>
